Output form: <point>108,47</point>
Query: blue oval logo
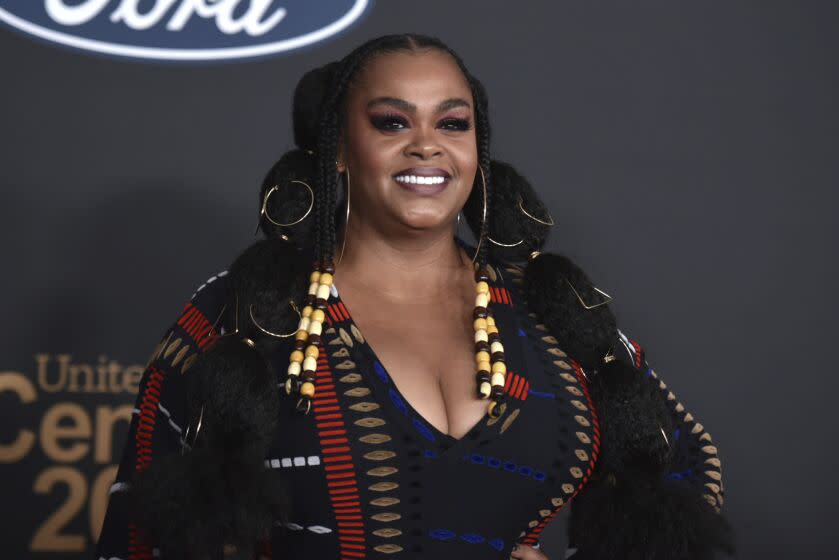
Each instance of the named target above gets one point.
<point>183,30</point>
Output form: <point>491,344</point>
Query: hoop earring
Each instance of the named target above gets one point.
<point>534,218</point>
<point>607,297</point>
<point>507,245</point>
<point>347,218</point>
<point>266,331</point>
<point>263,211</point>
<point>483,215</point>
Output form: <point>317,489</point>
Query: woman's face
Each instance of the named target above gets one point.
<point>409,142</point>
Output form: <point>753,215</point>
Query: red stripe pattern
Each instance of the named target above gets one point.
<point>340,471</point>
<point>517,386</point>
<point>197,326</point>
<point>500,296</point>
<point>533,536</point>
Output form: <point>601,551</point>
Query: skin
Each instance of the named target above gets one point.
<point>407,285</point>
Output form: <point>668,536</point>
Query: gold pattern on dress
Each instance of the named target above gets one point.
<point>709,449</point>
<point>532,524</point>
<point>579,405</point>
<point>385,501</point>
<point>573,390</point>
<point>557,502</point>
<point>375,438</point>
<point>364,406</point>
<point>557,352</point>
<point>581,454</point>
<point>713,461</point>
<point>680,408</point>
<point>576,472</point>
<point>514,270</point>
<point>710,499</point>
<point>350,378</point>
<point>346,364</point>
<point>386,516</point>
<point>341,353</point>
<point>697,428</point>
<point>357,333</point>
<point>345,337</point>
<point>715,488</point>
<point>180,355</point>
<point>705,437</point>
<point>387,548</point>
<point>671,396</point>
<point>330,330</point>
<point>502,408</point>
<point>582,421</point>
<point>379,455</point>
<point>369,422</point>
<point>172,347</point>
<point>715,475</point>
<point>583,437</point>
<point>383,486</point>
<point>568,377</point>
<point>335,341</point>
<point>382,471</point>
<point>550,339</point>
<point>189,362</point>
<point>357,392</point>
<point>688,417</point>
<point>568,488</point>
<point>541,327</point>
<point>564,365</point>
<point>545,512</point>
<point>492,274</point>
<point>509,420</point>
<point>387,532</point>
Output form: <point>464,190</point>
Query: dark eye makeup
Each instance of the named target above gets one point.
<point>392,122</point>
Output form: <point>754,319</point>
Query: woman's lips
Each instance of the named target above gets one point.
<point>423,180</point>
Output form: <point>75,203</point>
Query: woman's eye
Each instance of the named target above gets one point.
<point>388,122</point>
<point>455,124</point>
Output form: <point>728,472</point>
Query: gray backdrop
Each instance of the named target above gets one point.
<point>688,150</point>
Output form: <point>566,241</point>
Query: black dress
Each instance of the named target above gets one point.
<point>370,478</point>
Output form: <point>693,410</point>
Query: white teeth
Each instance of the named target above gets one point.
<point>420,179</point>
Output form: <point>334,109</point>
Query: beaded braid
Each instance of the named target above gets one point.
<point>489,352</point>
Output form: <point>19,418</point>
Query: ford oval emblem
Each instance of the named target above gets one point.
<point>183,30</point>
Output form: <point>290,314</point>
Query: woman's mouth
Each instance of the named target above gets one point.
<point>423,180</point>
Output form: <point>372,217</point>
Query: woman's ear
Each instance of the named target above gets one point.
<point>341,161</point>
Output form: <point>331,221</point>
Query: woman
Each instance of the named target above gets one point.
<point>411,396</point>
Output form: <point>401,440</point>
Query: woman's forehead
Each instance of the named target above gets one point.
<point>423,77</point>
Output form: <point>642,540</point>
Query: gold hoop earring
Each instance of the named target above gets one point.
<point>607,297</point>
<point>534,218</point>
<point>507,245</point>
<point>347,218</point>
<point>263,211</point>
<point>266,331</point>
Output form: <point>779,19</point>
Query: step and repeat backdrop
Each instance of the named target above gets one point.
<point>688,149</point>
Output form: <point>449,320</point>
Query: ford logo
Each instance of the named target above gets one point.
<point>183,30</point>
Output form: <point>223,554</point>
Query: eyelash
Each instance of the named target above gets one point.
<point>387,122</point>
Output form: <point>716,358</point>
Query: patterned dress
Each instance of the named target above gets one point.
<point>371,478</point>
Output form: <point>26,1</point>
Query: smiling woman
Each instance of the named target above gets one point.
<point>362,383</point>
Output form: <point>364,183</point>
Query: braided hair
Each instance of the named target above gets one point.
<point>234,386</point>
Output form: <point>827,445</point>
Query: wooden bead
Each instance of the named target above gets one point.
<point>498,379</point>
<point>497,391</point>
<point>329,267</point>
<point>314,276</point>
<point>307,389</point>
<point>496,347</point>
<point>482,376</point>
<point>315,327</point>
<point>320,303</point>
<point>481,346</point>
<point>294,368</point>
<point>499,367</point>
<point>480,324</point>
<point>326,279</point>
<point>323,292</point>
<point>308,376</point>
<point>482,357</point>
<point>492,329</point>
<point>313,288</point>
<point>311,299</point>
<point>292,385</point>
<point>480,313</point>
<point>481,300</point>
<point>497,357</point>
<point>300,344</point>
<point>481,275</point>
<point>484,366</point>
<point>482,287</point>
<point>481,336</point>
<point>307,311</point>
<point>314,340</point>
<point>484,390</point>
<point>310,364</point>
<point>301,335</point>
<point>304,324</point>
<point>312,352</point>
<point>297,356</point>
<point>490,320</point>
<point>318,315</point>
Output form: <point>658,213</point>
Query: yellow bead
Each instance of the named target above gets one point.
<point>498,380</point>
<point>499,367</point>
<point>484,366</point>
<point>482,356</point>
<point>294,368</point>
<point>310,364</point>
<point>492,329</point>
<point>307,311</point>
<point>491,321</point>
<point>480,324</point>
<point>313,288</point>
<point>485,389</point>
<point>301,335</point>
<point>297,356</point>
<point>325,279</point>
<point>481,300</point>
<point>312,351</point>
<point>482,287</point>
<point>314,276</point>
<point>317,315</point>
<point>307,389</point>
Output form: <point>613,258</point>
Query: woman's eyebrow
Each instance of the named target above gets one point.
<point>409,107</point>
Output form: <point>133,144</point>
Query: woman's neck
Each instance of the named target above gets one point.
<point>424,266</point>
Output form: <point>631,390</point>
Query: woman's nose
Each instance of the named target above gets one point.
<point>423,145</point>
